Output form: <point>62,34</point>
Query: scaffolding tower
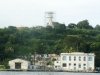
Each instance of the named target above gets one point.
<point>49,19</point>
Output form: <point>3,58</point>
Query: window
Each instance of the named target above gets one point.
<point>64,58</point>
<point>64,65</point>
<point>79,58</point>
<point>74,58</point>
<point>55,66</point>
<point>69,64</point>
<point>69,58</point>
<point>79,65</point>
<point>84,59</point>
<point>84,64</point>
<point>90,58</point>
<point>74,64</point>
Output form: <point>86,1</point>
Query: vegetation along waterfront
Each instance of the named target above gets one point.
<point>24,41</point>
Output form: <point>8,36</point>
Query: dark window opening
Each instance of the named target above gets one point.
<point>69,64</point>
<point>74,64</point>
<point>17,65</point>
<point>64,65</point>
<point>84,58</point>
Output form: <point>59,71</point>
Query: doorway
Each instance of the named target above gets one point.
<point>18,65</point>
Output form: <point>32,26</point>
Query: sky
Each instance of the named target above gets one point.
<point>31,13</point>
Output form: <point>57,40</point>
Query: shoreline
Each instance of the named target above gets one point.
<point>35,70</point>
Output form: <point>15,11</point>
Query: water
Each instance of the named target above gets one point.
<point>43,73</point>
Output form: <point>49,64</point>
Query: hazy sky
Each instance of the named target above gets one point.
<point>31,12</point>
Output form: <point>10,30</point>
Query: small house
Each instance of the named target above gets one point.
<point>19,64</point>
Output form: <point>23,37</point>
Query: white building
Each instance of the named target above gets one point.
<point>57,65</point>
<point>76,61</point>
<point>19,64</point>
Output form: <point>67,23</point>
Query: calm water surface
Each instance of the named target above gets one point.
<point>43,73</point>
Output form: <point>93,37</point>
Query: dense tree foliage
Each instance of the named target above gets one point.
<point>97,27</point>
<point>23,41</point>
<point>84,25</point>
<point>72,25</point>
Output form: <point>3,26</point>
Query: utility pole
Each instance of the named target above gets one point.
<point>77,47</point>
<point>34,57</point>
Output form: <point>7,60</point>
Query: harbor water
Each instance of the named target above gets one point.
<point>43,73</point>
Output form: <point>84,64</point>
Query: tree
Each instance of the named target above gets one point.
<point>59,46</point>
<point>12,29</point>
<point>95,46</point>
<point>9,52</point>
<point>59,28</point>
<point>84,25</point>
<point>5,63</point>
<point>72,25</point>
<point>48,28</point>
<point>70,50</point>
<point>72,40</point>
<point>97,27</point>
<point>97,38</point>
<point>97,59</point>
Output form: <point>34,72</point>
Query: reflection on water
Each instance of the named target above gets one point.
<point>43,73</point>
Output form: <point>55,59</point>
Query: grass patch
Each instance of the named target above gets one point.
<point>2,67</point>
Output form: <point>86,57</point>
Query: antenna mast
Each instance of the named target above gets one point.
<point>49,19</point>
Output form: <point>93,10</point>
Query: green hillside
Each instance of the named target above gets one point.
<point>23,41</point>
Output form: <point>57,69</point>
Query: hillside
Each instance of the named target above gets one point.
<point>23,41</point>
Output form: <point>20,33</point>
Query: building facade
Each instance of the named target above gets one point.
<point>43,59</point>
<point>76,61</point>
<point>19,64</point>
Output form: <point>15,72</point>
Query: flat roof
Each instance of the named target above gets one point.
<point>77,53</point>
